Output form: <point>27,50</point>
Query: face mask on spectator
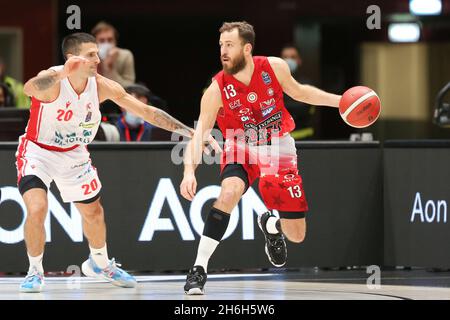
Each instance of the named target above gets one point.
<point>292,64</point>
<point>103,49</point>
<point>132,120</point>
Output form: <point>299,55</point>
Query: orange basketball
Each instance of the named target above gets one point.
<point>359,107</point>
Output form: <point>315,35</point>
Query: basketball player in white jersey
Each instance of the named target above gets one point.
<point>64,118</point>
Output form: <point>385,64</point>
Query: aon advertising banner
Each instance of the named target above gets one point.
<point>151,227</point>
<point>417,200</point>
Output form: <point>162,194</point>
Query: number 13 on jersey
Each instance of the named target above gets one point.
<point>229,91</point>
<point>295,191</point>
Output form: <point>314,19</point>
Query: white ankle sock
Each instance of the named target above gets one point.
<point>36,262</point>
<point>100,256</point>
<point>206,248</point>
<point>271,225</point>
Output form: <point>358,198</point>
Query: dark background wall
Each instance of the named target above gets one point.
<point>175,43</point>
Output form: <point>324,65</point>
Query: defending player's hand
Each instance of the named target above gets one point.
<point>74,63</point>
<point>188,186</point>
<point>214,144</point>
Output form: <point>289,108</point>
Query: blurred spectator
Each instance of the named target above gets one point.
<point>20,99</point>
<point>107,132</point>
<point>132,127</point>
<point>116,63</point>
<point>302,113</point>
<point>6,97</point>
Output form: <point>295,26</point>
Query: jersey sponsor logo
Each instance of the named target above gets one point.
<point>88,125</point>
<point>246,111</point>
<point>81,165</point>
<point>267,111</point>
<point>270,92</point>
<point>289,177</point>
<point>84,173</point>
<point>267,103</point>
<point>61,140</point>
<point>252,97</point>
<point>259,134</point>
<point>264,124</point>
<point>266,78</point>
<point>87,133</point>
<point>235,104</point>
<point>267,107</point>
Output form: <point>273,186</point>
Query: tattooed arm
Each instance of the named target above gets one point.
<point>109,89</point>
<point>45,86</point>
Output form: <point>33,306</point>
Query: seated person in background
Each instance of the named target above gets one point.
<point>20,99</point>
<point>107,132</point>
<point>6,97</point>
<point>302,113</point>
<point>131,127</point>
<point>116,63</point>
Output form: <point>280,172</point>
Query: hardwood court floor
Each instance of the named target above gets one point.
<point>309,285</point>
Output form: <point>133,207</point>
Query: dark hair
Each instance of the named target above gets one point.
<point>139,90</point>
<point>245,30</point>
<point>72,42</point>
<point>103,26</point>
<point>290,46</point>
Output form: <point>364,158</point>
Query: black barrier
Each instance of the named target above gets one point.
<point>152,228</point>
<point>416,199</point>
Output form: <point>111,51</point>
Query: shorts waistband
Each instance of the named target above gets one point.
<point>53,148</point>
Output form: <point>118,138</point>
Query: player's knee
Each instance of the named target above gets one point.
<point>94,214</point>
<point>297,236</point>
<point>229,195</point>
<point>37,212</point>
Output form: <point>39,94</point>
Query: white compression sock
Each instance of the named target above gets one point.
<point>206,248</point>
<point>36,262</point>
<point>271,225</point>
<point>100,256</point>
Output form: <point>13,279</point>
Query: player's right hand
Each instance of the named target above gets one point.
<point>188,186</point>
<point>72,64</point>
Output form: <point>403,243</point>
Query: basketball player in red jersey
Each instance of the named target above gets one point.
<point>246,100</point>
<point>64,118</point>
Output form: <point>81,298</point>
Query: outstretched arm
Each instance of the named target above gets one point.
<point>301,92</point>
<point>45,86</point>
<point>210,105</point>
<point>109,89</point>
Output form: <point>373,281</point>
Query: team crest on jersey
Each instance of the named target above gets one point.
<point>252,97</point>
<point>235,104</point>
<point>88,117</point>
<point>266,78</point>
<point>68,104</point>
<point>270,92</point>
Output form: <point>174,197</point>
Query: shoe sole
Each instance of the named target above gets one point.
<point>195,292</point>
<point>24,290</point>
<point>88,272</point>
<point>265,246</point>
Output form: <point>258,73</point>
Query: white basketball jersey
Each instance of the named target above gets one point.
<point>68,121</point>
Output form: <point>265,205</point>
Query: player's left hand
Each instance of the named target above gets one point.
<point>188,186</point>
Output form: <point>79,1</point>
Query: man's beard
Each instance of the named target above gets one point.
<point>237,65</point>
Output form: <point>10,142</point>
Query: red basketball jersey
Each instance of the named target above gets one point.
<point>255,112</point>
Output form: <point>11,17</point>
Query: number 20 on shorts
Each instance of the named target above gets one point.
<point>91,187</point>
